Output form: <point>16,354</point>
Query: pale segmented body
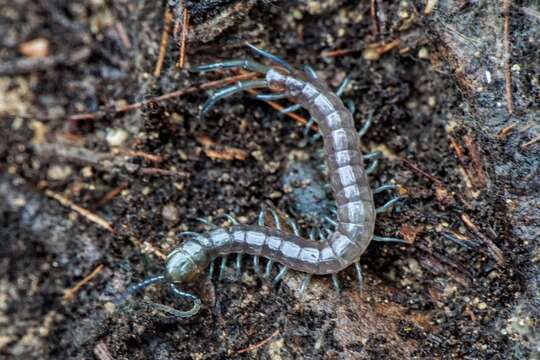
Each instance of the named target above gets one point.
<point>355,207</point>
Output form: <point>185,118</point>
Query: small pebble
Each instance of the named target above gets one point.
<point>59,172</point>
<point>116,137</point>
<point>170,213</point>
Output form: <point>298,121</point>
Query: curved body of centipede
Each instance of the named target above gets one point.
<point>355,209</point>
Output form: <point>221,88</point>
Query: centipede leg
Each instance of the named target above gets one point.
<point>270,97</point>
<point>364,129</point>
<point>359,274</point>
<point>230,90</point>
<point>211,269</point>
<point>238,266</point>
<point>385,188</point>
<point>260,222</point>
<point>277,224</point>
<point>305,284</point>
<point>282,272</point>
<point>388,239</point>
<point>374,157</point>
<point>335,282</point>
<point>387,206</point>
<point>222,267</point>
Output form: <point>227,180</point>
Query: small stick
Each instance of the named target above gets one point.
<point>475,157</point>
<point>142,154</point>
<point>506,56</point>
<point>259,344</point>
<point>417,169</point>
<point>529,143</point>
<point>503,134</point>
<point>70,293</point>
<point>122,34</point>
<point>459,152</point>
<point>82,211</point>
<point>111,195</point>
<point>183,39</point>
<point>165,172</point>
<point>494,249</point>
<point>167,21</point>
<point>171,95</point>
<point>339,52</point>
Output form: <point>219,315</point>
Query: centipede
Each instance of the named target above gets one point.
<point>355,212</point>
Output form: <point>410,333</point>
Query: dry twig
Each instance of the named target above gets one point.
<point>70,293</point>
<point>82,211</point>
<point>259,344</point>
<point>167,21</point>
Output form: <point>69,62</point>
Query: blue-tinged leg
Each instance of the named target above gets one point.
<point>238,266</point>
<point>211,269</point>
<point>335,282</point>
<point>277,224</point>
<point>230,90</point>
<point>387,206</point>
<point>222,267</point>
<point>364,129</point>
<point>359,274</point>
<point>385,187</point>
<point>238,63</point>
<point>307,277</point>
<point>282,271</point>
<point>310,71</point>
<point>343,86</point>
<point>374,157</point>
<point>388,239</point>
<point>206,222</point>
<point>270,97</point>
<point>305,284</point>
<point>270,56</point>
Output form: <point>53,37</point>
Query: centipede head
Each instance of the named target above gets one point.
<point>187,263</point>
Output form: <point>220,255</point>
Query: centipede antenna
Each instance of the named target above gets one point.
<point>245,64</point>
<point>343,86</point>
<point>270,56</point>
<point>388,239</point>
<point>387,206</point>
<point>270,97</point>
<point>138,286</point>
<point>238,266</point>
<point>189,234</point>
<point>364,129</point>
<point>305,284</point>
<point>230,90</point>
<point>359,274</point>
<point>282,271</point>
<point>181,294</point>
<point>222,267</point>
<point>335,282</point>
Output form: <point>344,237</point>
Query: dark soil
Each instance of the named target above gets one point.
<point>466,284</point>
